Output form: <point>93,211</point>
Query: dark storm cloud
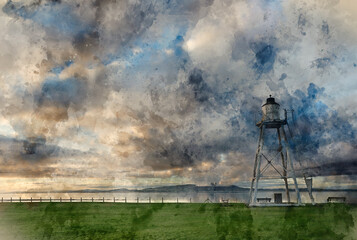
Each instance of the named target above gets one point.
<point>325,28</point>
<point>264,55</point>
<point>168,146</point>
<point>56,97</point>
<point>99,28</point>
<point>312,112</point>
<point>31,157</point>
<point>161,146</point>
<point>183,6</point>
<point>321,62</point>
<point>29,150</point>
<point>53,15</point>
<point>199,87</point>
<point>86,43</point>
<point>283,76</point>
<point>316,128</point>
<point>337,167</point>
<point>167,151</point>
<point>302,22</point>
<point>116,32</point>
<point>62,92</point>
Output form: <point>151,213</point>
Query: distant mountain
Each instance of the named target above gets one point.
<point>190,188</point>
<point>168,189</point>
<point>194,188</point>
<point>99,190</point>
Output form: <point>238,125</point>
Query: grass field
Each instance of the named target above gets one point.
<point>174,221</point>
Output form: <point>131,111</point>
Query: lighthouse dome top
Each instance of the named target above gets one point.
<point>270,100</point>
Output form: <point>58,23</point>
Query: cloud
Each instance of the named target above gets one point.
<point>172,89</point>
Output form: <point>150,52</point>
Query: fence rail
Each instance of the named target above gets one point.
<point>102,200</point>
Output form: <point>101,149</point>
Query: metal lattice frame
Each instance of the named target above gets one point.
<point>285,169</point>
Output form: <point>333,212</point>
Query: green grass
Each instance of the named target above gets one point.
<point>174,221</point>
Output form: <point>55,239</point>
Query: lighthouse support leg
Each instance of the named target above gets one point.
<point>255,164</point>
<point>257,153</point>
<point>284,167</point>
<point>256,172</point>
<point>289,160</point>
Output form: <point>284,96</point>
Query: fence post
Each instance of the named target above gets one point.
<point>149,199</point>
<point>40,199</point>
<point>50,199</point>
<point>11,199</point>
<point>103,199</point>
<point>92,199</point>
<point>31,199</point>
<point>114,199</point>
<point>177,200</point>
<point>125,199</point>
<point>190,200</point>
<point>162,200</point>
<point>137,200</point>
<point>60,199</point>
<point>2,199</point>
<point>81,199</point>
<point>20,199</point>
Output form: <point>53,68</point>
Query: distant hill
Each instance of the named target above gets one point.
<point>189,188</point>
<point>194,188</point>
<point>168,189</point>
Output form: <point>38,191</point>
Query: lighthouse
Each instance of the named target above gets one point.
<point>273,164</point>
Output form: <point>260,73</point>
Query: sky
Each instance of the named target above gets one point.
<point>110,94</point>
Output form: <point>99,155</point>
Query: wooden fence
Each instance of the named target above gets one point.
<point>105,200</point>
<point>112,200</point>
